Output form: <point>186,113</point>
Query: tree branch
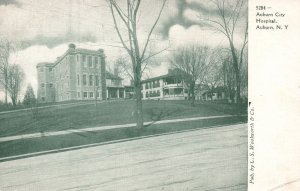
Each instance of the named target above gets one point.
<point>150,33</point>
<point>117,29</point>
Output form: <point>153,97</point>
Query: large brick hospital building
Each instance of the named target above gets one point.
<point>79,74</point>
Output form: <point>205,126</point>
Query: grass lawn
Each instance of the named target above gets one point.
<point>25,146</point>
<point>106,113</point>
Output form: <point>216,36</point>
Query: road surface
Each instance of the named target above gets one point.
<point>207,159</point>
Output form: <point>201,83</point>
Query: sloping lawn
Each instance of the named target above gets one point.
<point>24,146</point>
<point>106,113</point>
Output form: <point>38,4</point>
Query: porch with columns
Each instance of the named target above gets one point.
<point>115,93</point>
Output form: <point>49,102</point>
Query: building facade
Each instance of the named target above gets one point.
<point>114,86</point>
<point>79,74</point>
<point>166,87</point>
<point>46,88</point>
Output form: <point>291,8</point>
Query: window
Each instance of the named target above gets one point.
<point>50,69</point>
<point>158,84</point>
<point>78,94</point>
<point>85,94</point>
<point>43,98</point>
<point>91,80</point>
<point>78,79</point>
<point>42,85</point>
<point>50,85</point>
<point>178,91</point>
<point>83,59</point>
<point>97,80</point>
<point>98,94</point>
<point>96,62</point>
<point>90,62</point>
<point>41,69</point>
<point>91,94</point>
<point>84,79</point>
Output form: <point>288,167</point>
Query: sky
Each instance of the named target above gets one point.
<point>43,29</point>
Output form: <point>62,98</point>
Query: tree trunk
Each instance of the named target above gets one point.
<point>192,88</point>
<point>5,85</point>
<point>138,94</point>
<point>14,101</point>
<point>5,96</point>
<point>238,88</point>
<point>237,72</point>
<point>139,107</point>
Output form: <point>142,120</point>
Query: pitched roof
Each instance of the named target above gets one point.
<point>87,51</point>
<point>111,76</point>
<point>171,73</point>
<point>47,64</point>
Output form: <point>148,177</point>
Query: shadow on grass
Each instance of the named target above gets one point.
<point>158,114</point>
<point>25,146</point>
<point>232,109</point>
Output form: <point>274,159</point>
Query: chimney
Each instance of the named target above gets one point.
<point>72,46</point>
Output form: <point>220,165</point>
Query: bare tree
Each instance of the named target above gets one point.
<point>244,75</point>
<point>229,12</point>
<point>15,79</point>
<point>96,83</point>
<point>130,42</point>
<point>123,67</point>
<point>5,50</point>
<point>193,61</point>
<point>31,102</point>
<point>29,98</point>
<point>214,74</point>
<point>228,77</point>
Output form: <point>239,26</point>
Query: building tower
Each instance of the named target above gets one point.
<point>46,89</point>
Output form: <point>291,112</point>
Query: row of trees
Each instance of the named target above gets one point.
<point>203,69</point>
<point>206,69</point>
<point>11,75</point>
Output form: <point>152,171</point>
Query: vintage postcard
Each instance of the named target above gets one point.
<point>149,95</point>
<point>274,92</point>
